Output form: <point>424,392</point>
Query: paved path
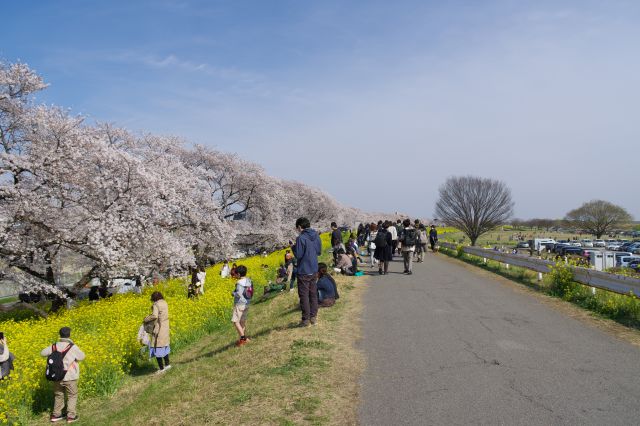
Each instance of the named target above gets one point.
<point>451,346</point>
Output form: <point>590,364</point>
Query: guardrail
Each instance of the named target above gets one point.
<point>602,280</point>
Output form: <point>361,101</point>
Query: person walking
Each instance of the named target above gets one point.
<point>68,386</point>
<point>307,248</point>
<point>241,299</point>
<point>371,245</point>
<point>336,240</point>
<point>361,234</point>
<point>157,324</point>
<point>408,239</point>
<point>394,236</point>
<point>384,246</point>
<point>422,241</point>
<point>433,237</point>
<point>399,229</point>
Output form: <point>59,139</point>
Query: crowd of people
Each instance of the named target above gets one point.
<point>315,284</point>
<point>385,239</point>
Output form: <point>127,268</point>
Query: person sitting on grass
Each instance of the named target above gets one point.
<point>354,261</point>
<point>344,263</point>
<point>327,288</point>
<point>241,299</point>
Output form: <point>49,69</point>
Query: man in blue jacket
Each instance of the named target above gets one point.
<point>306,250</point>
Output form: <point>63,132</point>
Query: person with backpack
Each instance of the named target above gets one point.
<point>63,370</point>
<point>399,229</point>
<point>408,239</point>
<point>157,325</point>
<point>433,237</point>
<point>241,298</point>
<point>421,248</point>
<point>307,248</point>
<point>384,245</point>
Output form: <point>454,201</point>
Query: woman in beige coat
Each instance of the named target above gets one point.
<point>159,319</point>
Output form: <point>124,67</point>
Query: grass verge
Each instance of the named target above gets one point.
<point>285,375</point>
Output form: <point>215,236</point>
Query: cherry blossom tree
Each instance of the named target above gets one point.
<point>129,203</point>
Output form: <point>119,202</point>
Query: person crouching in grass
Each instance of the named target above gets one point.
<point>327,289</point>
<point>241,299</point>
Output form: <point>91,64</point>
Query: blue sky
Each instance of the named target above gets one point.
<point>376,102</point>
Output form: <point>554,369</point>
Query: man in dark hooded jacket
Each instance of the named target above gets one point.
<point>306,250</point>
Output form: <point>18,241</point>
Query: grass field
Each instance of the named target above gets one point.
<point>506,237</point>
<point>284,376</point>
<point>9,299</point>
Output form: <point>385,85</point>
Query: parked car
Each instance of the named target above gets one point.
<point>630,247</point>
<point>522,245</point>
<point>626,260</point>
<point>587,243</point>
<point>615,245</point>
<point>620,255</point>
<point>557,248</point>
<point>572,251</point>
<point>599,243</point>
<point>576,244</point>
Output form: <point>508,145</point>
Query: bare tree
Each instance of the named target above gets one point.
<point>474,205</point>
<point>598,217</point>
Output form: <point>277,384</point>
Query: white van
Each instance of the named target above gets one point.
<point>539,244</point>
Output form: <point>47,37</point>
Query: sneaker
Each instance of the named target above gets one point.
<point>303,324</point>
<point>409,273</point>
<point>314,321</point>
<point>167,367</point>
<point>241,342</point>
<point>159,372</point>
<point>380,272</point>
<point>54,419</point>
<point>72,419</point>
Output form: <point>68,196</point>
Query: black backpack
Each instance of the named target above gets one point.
<point>55,364</point>
<point>381,239</point>
<point>410,237</point>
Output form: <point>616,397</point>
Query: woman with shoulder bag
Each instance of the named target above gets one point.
<point>158,324</point>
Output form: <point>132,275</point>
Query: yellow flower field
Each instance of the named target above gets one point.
<point>106,331</point>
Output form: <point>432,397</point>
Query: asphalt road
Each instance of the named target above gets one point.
<point>452,346</point>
